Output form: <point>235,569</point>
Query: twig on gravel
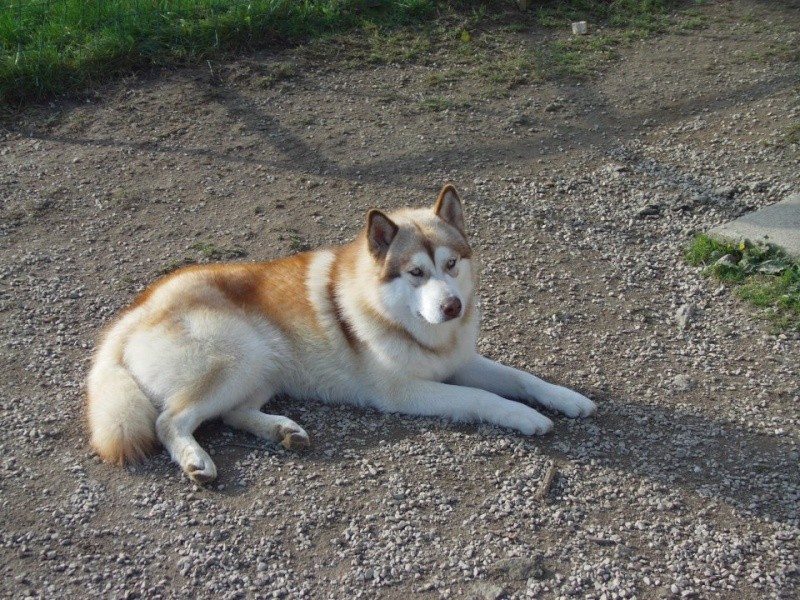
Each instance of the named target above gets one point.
<point>544,488</point>
<point>248,446</point>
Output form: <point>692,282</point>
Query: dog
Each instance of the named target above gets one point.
<point>389,321</point>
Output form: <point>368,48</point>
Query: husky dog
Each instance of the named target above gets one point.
<point>389,321</point>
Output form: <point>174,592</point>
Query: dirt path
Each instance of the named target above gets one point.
<point>581,197</point>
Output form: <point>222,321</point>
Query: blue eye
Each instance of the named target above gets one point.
<point>451,263</point>
<point>415,272</point>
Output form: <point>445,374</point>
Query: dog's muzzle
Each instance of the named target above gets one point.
<point>451,308</point>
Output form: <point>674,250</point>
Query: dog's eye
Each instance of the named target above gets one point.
<point>451,263</point>
<point>415,272</point>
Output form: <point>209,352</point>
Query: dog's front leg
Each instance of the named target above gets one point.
<point>508,382</point>
<point>467,404</point>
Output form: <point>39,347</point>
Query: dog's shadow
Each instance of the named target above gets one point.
<point>711,459</point>
<point>740,465</point>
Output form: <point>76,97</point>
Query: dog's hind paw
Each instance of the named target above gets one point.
<point>198,466</point>
<point>294,438</point>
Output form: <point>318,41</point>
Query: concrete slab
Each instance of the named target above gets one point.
<point>778,224</point>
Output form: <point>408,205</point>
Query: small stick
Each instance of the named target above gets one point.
<point>547,482</point>
<point>238,445</point>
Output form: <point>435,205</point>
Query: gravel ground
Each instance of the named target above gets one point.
<point>581,197</point>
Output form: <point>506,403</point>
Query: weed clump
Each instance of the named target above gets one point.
<point>760,273</point>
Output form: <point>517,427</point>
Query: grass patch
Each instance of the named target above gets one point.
<point>612,24</point>
<point>443,77</point>
<point>396,47</point>
<point>211,251</point>
<point>278,73</point>
<point>512,70</point>
<point>760,274</point>
<point>47,47</point>
<point>791,135</point>
<point>691,20</point>
<point>645,16</point>
<point>176,264</point>
<point>295,239</point>
<point>578,56</point>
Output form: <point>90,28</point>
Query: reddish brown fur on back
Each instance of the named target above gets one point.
<point>277,289</point>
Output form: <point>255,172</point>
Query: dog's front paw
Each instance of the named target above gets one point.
<point>570,403</point>
<point>525,419</point>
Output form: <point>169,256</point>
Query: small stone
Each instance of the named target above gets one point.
<point>727,192</point>
<point>648,211</point>
<point>684,315</point>
<point>580,28</point>
<point>484,590</point>
<point>682,383</point>
<point>519,569</point>
<point>729,260</point>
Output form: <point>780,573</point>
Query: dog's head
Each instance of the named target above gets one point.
<point>424,260</point>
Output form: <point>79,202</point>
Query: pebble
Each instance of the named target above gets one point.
<point>684,315</point>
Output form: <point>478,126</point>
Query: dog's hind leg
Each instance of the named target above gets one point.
<point>276,428</point>
<point>202,365</point>
<point>175,432</point>
<point>216,393</point>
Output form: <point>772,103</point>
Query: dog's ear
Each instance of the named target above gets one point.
<point>448,207</point>
<point>380,233</point>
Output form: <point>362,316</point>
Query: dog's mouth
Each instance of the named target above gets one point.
<point>443,318</point>
<point>421,317</point>
<point>424,319</point>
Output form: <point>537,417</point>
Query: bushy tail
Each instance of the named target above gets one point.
<point>121,418</point>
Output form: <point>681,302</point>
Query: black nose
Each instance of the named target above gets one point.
<point>451,308</point>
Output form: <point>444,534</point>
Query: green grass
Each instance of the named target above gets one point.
<point>760,274</point>
<point>645,16</point>
<point>791,135</point>
<point>281,72</point>
<point>295,239</point>
<point>578,56</point>
<point>387,47</point>
<point>621,21</point>
<point>174,265</point>
<point>211,251</point>
<point>49,47</point>
<point>512,69</point>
